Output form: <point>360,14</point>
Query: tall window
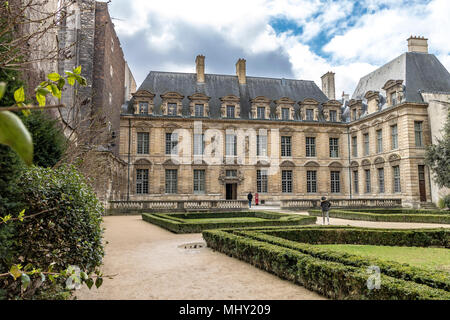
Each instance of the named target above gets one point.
<point>355,146</point>
<point>353,114</point>
<point>172,109</point>
<point>199,144</point>
<point>335,181</point>
<point>261,145</point>
<point>199,108</point>
<point>397,186</point>
<point>171,143</point>
<point>379,141</point>
<point>311,181</point>
<point>230,145</point>
<point>142,181</point>
<point>309,114</point>
<point>261,112</point>
<point>286,181</point>
<point>230,111</point>
<point>171,180</point>
<point>380,180</point>
<point>231,173</point>
<point>368,183</point>
<point>261,181</point>
<point>286,146</point>
<point>366,144</point>
<point>199,181</point>
<point>393,98</point>
<point>333,116</point>
<point>142,142</point>
<point>334,147</point>
<point>310,146</point>
<point>394,137</point>
<point>285,113</point>
<point>355,181</point>
<point>418,133</point>
<point>143,107</point>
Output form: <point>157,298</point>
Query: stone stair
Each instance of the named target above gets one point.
<point>428,205</point>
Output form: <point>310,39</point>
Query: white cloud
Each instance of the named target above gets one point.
<point>243,27</point>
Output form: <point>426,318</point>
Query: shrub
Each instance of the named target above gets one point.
<point>447,201</point>
<point>64,231</point>
<point>49,143</point>
<point>335,275</point>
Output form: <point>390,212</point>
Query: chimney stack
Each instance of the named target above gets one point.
<point>417,44</point>
<point>240,71</point>
<point>328,85</point>
<point>200,68</point>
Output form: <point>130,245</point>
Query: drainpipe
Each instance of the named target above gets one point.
<point>349,169</point>
<point>129,155</point>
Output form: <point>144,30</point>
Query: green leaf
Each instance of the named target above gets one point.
<point>25,280</point>
<point>15,271</point>
<point>81,80</point>
<point>55,91</point>
<point>13,133</point>
<point>98,282</point>
<point>89,283</point>
<point>19,95</point>
<point>77,70</point>
<point>2,89</point>
<point>71,80</point>
<point>40,99</point>
<point>54,76</point>
<point>61,83</point>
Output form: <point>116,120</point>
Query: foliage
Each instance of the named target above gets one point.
<point>197,222</point>
<point>438,156</point>
<point>49,142</point>
<point>386,217</point>
<point>446,200</point>
<point>333,274</point>
<point>61,229</point>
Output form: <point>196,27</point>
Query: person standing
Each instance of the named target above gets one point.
<point>325,204</point>
<point>250,197</point>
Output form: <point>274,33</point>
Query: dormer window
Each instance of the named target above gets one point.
<point>284,113</point>
<point>394,98</point>
<point>199,110</point>
<point>230,112</point>
<point>309,114</point>
<point>143,108</point>
<point>261,112</point>
<point>333,116</point>
<point>353,114</point>
<point>172,109</point>
<point>394,91</point>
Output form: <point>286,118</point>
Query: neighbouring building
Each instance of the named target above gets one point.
<point>199,136</point>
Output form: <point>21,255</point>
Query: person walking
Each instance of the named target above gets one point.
<point>325,204</point>
<point>250,197</point>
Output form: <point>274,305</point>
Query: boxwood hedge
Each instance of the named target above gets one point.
<point>386,217</point>
<point>191,223</point>
<point>334,274</point>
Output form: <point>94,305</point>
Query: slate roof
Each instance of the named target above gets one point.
<point>419,72</point>
<point>217,86</point>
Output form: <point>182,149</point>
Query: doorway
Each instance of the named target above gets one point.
<point>231,191</point>
<point>422,190</point>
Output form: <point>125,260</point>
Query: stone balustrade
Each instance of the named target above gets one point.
<point>341,203</point>
<point>135,206</point>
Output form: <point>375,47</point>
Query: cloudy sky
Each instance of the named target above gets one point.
<point>300,39</point>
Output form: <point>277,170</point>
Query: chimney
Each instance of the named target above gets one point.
<point>417,44</point>
<point>240,71</point>
<point>200,68</point>
<point>328,85</point>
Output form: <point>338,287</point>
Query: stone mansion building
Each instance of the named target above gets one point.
<point>200,136</point>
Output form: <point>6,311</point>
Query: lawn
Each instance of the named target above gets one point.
<point>431,258</point>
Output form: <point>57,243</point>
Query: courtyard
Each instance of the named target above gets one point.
<point>148,262</point>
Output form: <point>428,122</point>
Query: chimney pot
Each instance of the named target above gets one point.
<point>200,68</point>
<point>240,71</point>
<point>417,44</point>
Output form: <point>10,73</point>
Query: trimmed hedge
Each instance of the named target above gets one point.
<point>333,274</point>
<point>385,217</point>
<point>399,210</point>
<point>188,222</point>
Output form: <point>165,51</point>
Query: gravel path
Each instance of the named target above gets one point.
<point>150,265</point>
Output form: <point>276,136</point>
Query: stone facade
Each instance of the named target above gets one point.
<point>301,146</point>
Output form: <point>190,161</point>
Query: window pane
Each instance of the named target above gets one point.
<point>143,107</point>
<point>394,135</point>
<point>142,142</point>
<point>261,180</point>
<point>261,112</point>
<point>310,146</point>
<point>355,181</point>
<point>368,183</point>
<point>199,181</point>
<point>261,145</point>
<point>171,181</point>
<point>286,181</point>
<point>397,186</point>
<point>311,181</point>
<point>335,181</point>
<point>285,146</point>
<point>334,147</point>
<point>199,144</point>
<point>366,144</point>
<point>381,180</point>
<point>309,114</point>
<point>355,146</point>
<point>171,143</point>
<point>142,181</point>
<point>230,111</point>
<point>379,141</point>
<point>230,145</point>
<point>418,133</point>
<point>199,110</point>
<point>172,109</point>
<point>333,115</point>
<point>285,113</point>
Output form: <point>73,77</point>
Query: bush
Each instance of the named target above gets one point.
<point>335,275</point>
<point>385,217</point>
<point>49,142</point>
<point>69,233</point>
<point>447,201</point>
<point>190,223</point>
